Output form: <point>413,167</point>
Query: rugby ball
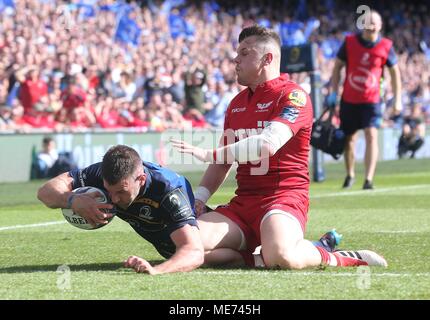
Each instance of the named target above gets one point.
<point>79,222</point>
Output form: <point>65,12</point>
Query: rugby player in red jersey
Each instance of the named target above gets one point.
<point>267,131</point>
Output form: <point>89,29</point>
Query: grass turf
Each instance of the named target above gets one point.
<point>392,220</point>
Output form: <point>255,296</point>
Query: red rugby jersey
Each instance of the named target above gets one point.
<point>364,68</point>
<point>249,112</point>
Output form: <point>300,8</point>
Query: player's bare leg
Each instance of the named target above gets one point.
<point>283,245</point>
<point>224,257</point>
<point>222,239</point>
<point>371,155</point>
<point>349,156</point>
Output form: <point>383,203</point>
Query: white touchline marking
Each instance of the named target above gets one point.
<point>399,231</point>
<point>22,226</point>
<point>356,192</point>
<point>369,192</point>
<point>307,273</point>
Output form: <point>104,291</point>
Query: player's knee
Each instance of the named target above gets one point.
<point>284,259</point>
<point>291,261</point>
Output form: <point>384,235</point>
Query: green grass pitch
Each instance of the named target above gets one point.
<point>393,220</point>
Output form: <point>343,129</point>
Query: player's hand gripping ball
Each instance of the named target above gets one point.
<point>79,222</point>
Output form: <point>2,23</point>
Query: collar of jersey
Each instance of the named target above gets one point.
<point>147,182</point>
<point>366,43</point>
<point>273,83</point>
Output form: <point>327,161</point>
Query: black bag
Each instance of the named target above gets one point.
<point>326,137</point>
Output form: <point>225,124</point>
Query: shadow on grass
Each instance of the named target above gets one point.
<point>108,266</point>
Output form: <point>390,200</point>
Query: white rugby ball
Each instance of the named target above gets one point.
<point>79,222</point>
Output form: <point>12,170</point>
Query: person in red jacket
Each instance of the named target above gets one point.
<point>267,131</point>
<point>32,88</point>
<point>364,54</point>
<point>73,96</point>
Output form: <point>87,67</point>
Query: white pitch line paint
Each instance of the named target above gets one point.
<point>316,273</point>
<point>399,231</point>
<point>369,192</point>
<point>36,225</point>
<point>335,194</point>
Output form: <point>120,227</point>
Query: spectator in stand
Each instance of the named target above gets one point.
<point>6,122</point>
<point>73,96</point>
<point>224,94</point>
<point>106,114</point>
<point>195,79</point>
<point>127,86</point>
<point>33,34</point>
<point>156,84</point>
<point>32,88</point>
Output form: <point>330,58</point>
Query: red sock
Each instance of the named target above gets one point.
<point>347,261</point>
<point>325,257</point>
<point>248,258</point>
<point>336,259</point>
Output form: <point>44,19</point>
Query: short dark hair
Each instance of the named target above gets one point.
<point>264,34</point>
<point>119,162</point>
<point>47,140</point>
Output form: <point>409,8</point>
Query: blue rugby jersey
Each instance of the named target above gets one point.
<point>164,204</point>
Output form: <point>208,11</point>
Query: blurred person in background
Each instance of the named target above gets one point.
<point>45,158</point>
<point>413,132</point>
<point>364,54</point>
<point>32,88</point>
<point>195,79</point>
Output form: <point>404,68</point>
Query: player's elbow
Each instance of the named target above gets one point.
<point>195,258</point>
<point>43,196</point>
<point>41,192</point>
<point>199,257</point>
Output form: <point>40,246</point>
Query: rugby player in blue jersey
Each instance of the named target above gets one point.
<point>155,201</point>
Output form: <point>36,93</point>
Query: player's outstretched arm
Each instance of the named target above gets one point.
<point>189,254</point>
<point>54,193</point>
<point>213,177</point>
<point>253,148</point>
<point>57,193</point>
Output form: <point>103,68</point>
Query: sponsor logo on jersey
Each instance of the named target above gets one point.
<point>145,213</point>
<point>290,113</point>
<point>263,107</point>
<point>361,79</point>
<point>147,201</point>
<point>297,98</point>
<point>235,110</point>
<point>365,59</point>
<point>174,200</point>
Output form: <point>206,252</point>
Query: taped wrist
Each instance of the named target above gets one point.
<point>69,201</point>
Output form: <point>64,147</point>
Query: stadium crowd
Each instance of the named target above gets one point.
<point>155,65</point>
